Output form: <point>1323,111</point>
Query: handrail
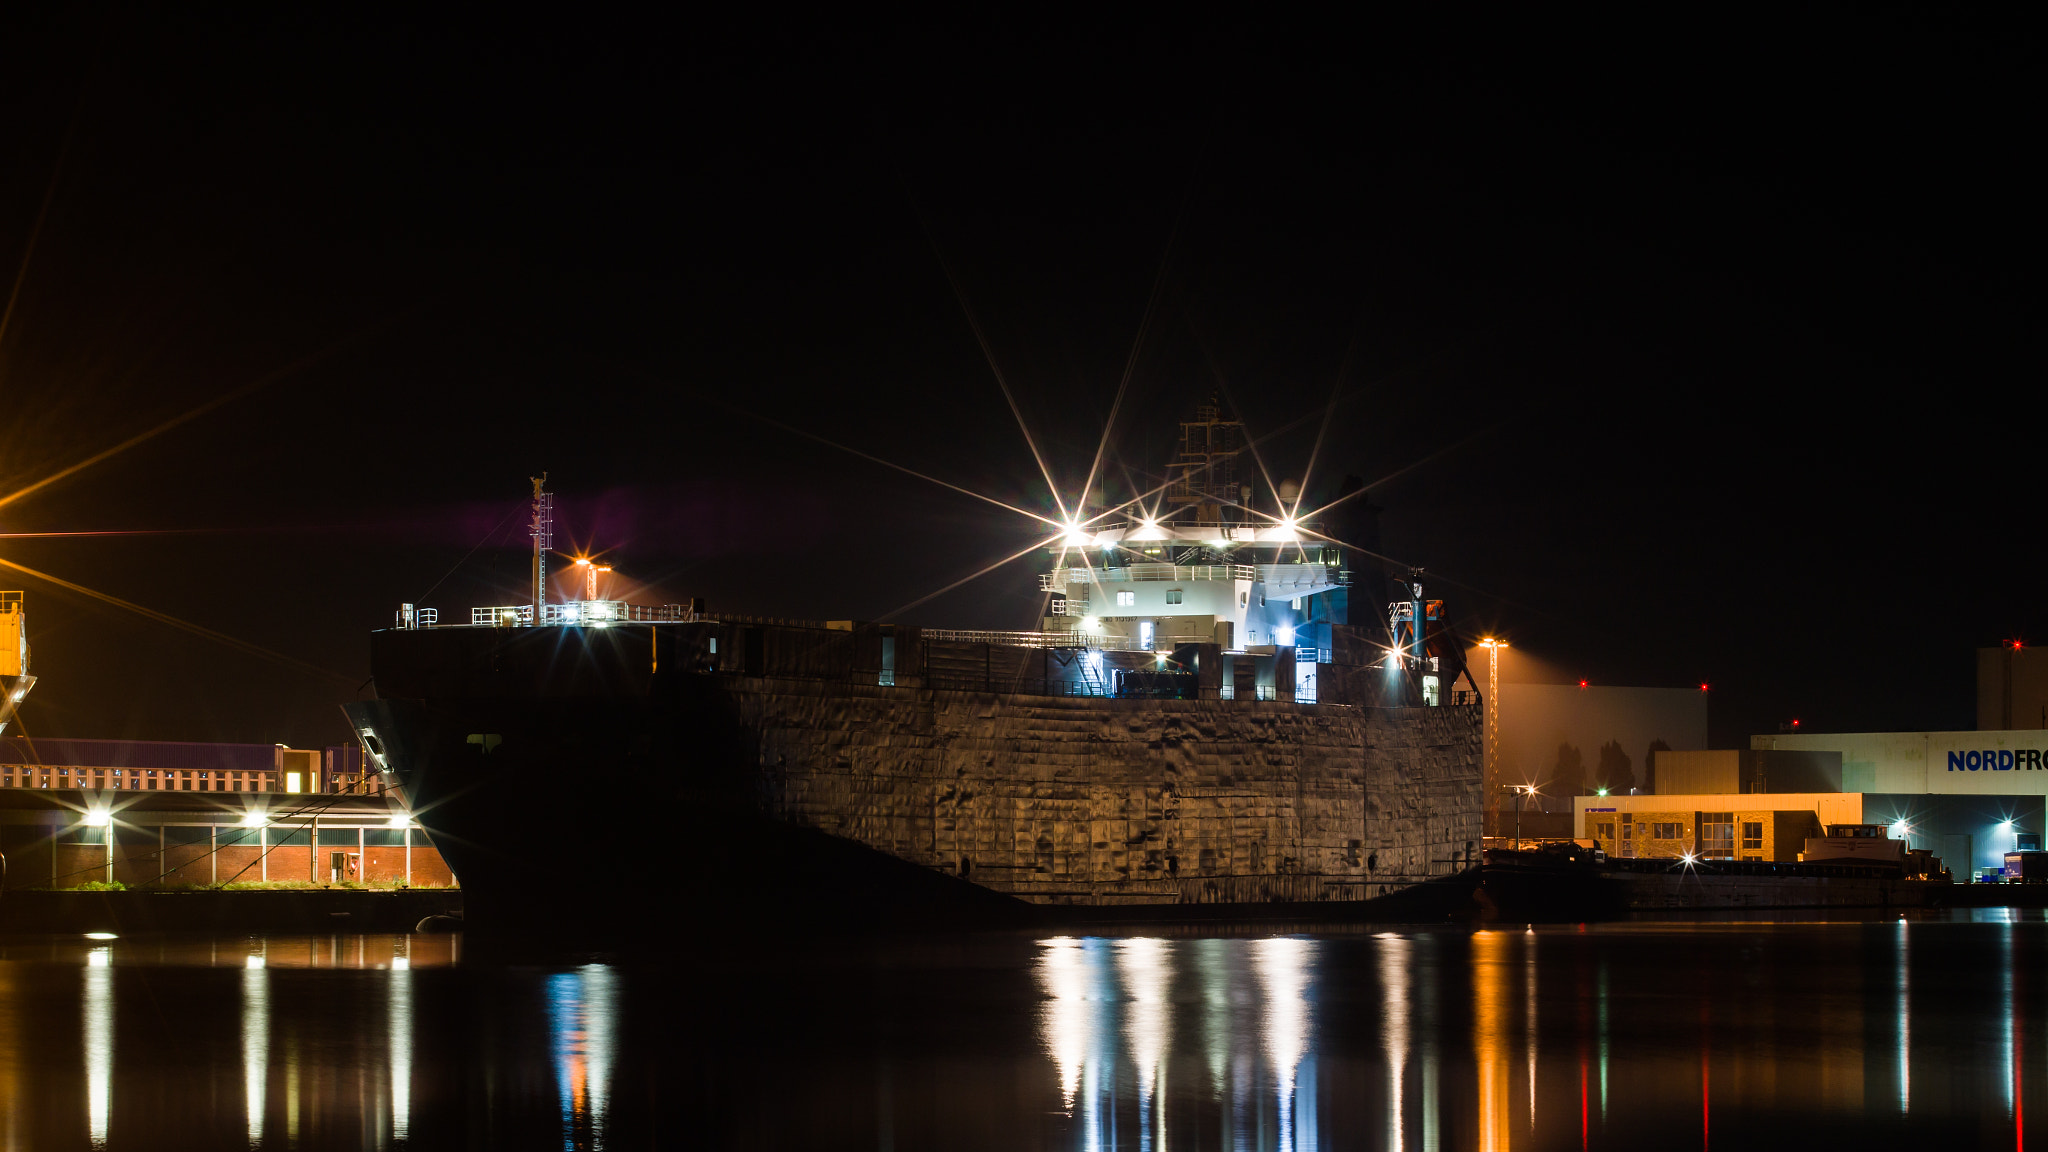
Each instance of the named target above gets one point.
<point>1054,580</point>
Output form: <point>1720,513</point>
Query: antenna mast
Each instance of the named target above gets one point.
<point>543,532</point>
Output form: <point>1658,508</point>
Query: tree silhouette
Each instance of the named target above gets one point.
<point>1616,773</point>
<point>1568,778</point>
<point>1650,763</point>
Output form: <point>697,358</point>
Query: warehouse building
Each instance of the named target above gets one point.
<point>54,840</point>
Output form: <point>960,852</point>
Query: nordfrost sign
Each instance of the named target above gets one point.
<point>1996,760</point>
<point>1988,763</point>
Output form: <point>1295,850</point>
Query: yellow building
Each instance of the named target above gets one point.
<point>1714,826</point>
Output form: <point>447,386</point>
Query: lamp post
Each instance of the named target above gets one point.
<point>590,571</point>
<point>1521,790</point>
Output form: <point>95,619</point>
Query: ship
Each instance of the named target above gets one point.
<point>1210,722</point>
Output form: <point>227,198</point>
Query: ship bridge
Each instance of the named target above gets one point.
<point>1156,583</point>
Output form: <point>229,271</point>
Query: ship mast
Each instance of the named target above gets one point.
<point>543,532</point>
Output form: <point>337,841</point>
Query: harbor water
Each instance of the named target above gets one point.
<point>1927,1031</point>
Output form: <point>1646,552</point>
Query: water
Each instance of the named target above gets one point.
<point>1669,1035</point>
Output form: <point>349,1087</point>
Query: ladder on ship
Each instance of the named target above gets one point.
<point>1090,677</point>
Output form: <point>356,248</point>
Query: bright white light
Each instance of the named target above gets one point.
<point>1091,624</point>
<point>1284,636</point>
<point>1688,857</point>
<point>253,819</point>
<point>1078,537</point>
<point>1148,530</point>
<point>101,936</point>
<point>1899,828</point>
<point>97,818</point>
<point>2005,823</point>
<point>399,821</point>
<point>253,962</point>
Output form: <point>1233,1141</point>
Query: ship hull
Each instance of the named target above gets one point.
<point>624,780</point>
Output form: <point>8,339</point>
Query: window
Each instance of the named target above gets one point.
<point>1660,831</point>
<point>1173,595</point>
<point>2027,842</point>
<point>1126,599</point>
<point>1604,830</point>
<point>1752,834</point>
<point>1243,599</point>
<point>1295,603</point>
<point>1717,834</point>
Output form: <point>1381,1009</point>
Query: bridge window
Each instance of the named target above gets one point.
<point>1173,595</point>
<point>1126,599</point>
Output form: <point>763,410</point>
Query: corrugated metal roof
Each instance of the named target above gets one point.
<point>139,754</point>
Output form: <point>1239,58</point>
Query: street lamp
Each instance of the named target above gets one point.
<point>1521,790</point>
<point>590,571</point>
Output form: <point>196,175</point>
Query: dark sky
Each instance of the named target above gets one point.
<point>1694,349</point>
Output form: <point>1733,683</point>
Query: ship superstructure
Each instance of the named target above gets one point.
<point>1206,568</point>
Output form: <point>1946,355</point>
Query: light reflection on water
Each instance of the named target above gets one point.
<point>583,1013</point>
<point>1669,1035</point>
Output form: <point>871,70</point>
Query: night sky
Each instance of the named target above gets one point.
<point>1687,350</point>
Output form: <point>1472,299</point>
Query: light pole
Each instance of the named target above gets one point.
<point>1492,750</point>
<point>590,571</point>
<point>1521,790</point>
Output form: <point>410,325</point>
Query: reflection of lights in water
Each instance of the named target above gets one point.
<point>1062,969</point>
<point>1212,960</point>
<point>1603,1040</point>
<point>1282,964</point>
<point>2012,1106</point>
<point>1426,1006</point>
<point>1905,1027</point>
<point>255,1042</point>
<point>1529,1016</point>
<point>1142,966</point>
<point>398,1026</point>
<point>99,1040</point>
<point>583,1011</point>
<point>1489,1036</point>
<point>1394,961</point>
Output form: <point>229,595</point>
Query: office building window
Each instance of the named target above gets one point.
<point>1659,831</point>
<point>1717,834</point>
<point>1752,834</point>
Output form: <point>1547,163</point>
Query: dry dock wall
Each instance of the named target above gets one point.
<point>1099,801</point>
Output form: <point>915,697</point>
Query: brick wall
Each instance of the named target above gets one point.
<point>1121,801</point>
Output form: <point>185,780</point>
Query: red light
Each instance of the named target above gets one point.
<point>1703,687</point>
<point>1582,683</point>
<point>1795,723</point>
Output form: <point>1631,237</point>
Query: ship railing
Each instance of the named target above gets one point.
<point>1059,578</point>
<point>1038,639</point>
<point>1158,686</point>
<point>578,612</point>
